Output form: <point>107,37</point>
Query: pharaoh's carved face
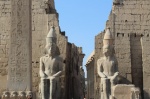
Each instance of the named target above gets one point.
<point>107,50</point>
<point>50,48</point>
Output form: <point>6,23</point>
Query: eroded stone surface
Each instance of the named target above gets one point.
<point>123,91</point>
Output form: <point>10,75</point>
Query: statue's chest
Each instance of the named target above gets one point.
<point>51,64</point>
<point>108,65</point>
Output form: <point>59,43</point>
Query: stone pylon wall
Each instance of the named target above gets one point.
<point>122,52</point>
<point>132,17</point>
<point>98,54</point>
<point>41,23</point>
<point>129,22</point>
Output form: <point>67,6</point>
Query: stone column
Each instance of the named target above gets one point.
<point>20,56</point>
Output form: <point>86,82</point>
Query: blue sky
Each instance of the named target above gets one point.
<point>82,20</point>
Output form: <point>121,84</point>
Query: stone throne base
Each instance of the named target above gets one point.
<point>124,91</point>
<point>46,89</point>
<point>17,95</point>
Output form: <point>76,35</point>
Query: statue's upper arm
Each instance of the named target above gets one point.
<point>60,65</point>
<point>116,64</point>
<point>41,63</point>
<point>99,65</point>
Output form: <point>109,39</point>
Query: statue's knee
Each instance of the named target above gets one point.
<point>105,80</point>
<point>112,82</point>
<point>42,81</point>
<point>52,80</point>
<point>104,88</point>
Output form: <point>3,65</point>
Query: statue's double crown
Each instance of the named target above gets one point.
<point>108,38</point>
<point>51,36</point>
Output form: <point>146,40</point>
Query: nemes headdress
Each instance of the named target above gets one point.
<point>51,36</point>
<point>108,38</point>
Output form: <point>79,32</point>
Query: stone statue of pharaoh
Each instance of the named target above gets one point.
<point>50,69</point>
<point>107,67</point>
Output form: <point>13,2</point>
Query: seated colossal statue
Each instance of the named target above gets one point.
<point>107,67</point>
<point>50,69</point>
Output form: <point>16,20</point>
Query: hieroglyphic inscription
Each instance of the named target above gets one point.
<point>19,72</point>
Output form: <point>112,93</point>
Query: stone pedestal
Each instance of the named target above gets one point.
<point>124,91</point>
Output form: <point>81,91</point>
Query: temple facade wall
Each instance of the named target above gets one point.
<point>42,20</point>
<point>129,22</point>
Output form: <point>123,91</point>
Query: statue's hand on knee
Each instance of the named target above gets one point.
<point>43,75</point>
<point>113,79</point>
<point>115,76</point>
<point>52,78</point>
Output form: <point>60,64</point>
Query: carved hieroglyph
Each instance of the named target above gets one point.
<point>19,71</point>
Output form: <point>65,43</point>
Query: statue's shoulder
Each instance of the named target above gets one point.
<point>43,57</point>
<point>114,59</point>
<point>100,60</point>
<point>58,58</point>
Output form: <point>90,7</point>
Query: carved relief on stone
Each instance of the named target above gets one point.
<point>124,91</point>
<point>135,93</point>
<point>19,63</point>
<point>17,95</point>
<point>6,95</point>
